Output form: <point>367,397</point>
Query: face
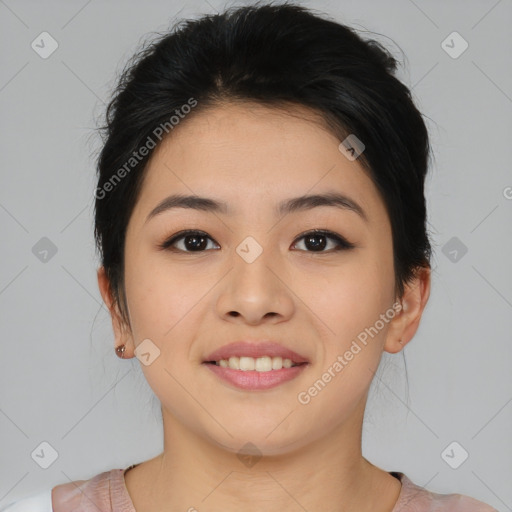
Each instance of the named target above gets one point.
<point>311,293</point>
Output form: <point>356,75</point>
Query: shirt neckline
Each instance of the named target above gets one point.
<point>124,500</point>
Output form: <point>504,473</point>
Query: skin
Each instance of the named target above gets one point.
<point>316,303</point>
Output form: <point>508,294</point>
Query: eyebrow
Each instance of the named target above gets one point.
<point>295,204</point>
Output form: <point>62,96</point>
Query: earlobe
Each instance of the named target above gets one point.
<point>404,325</point>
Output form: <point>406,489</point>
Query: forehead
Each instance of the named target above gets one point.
<point>252,156</point>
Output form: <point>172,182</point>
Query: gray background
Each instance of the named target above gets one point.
<point>60,381</point>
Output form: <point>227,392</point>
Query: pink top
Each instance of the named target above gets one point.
<point>107,492</point>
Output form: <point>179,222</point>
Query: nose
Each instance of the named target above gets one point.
<point>255,292</point>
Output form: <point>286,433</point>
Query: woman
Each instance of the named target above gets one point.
<point>261,220</point>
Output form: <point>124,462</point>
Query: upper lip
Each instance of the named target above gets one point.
<point>255,350</point>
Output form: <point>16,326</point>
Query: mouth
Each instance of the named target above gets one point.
<point>259,364</point>
<point>255,365</point>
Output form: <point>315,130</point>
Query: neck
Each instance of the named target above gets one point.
<point>330,473</point>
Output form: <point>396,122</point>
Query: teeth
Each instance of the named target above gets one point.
<point>260,364</point>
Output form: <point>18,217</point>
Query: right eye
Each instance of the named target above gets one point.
<point>194,241</point>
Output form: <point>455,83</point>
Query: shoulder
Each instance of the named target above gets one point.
<point>93,494</point>
<point>414,498</point>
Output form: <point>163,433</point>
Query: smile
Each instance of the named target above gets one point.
<point>260,364</point>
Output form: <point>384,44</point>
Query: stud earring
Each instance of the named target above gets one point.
<point>120,351</point>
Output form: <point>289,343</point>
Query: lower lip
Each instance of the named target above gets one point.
<point>254,380</point>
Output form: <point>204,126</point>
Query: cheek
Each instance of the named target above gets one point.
<point>349,301</point>
<point>161,303</point>
<point>348,296</point>
<point>160,295</point>
<point>349,305</point>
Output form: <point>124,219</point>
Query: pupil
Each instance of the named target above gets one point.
<point>190,240</point>
<point>318,246</point>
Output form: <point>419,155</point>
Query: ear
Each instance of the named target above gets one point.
<point>405,323</point>
<point>122,334</point>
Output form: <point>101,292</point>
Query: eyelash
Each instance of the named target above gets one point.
<point>343,244</point>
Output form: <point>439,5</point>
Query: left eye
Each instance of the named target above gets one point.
<point>323,236</point>
<point>195,241</point>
